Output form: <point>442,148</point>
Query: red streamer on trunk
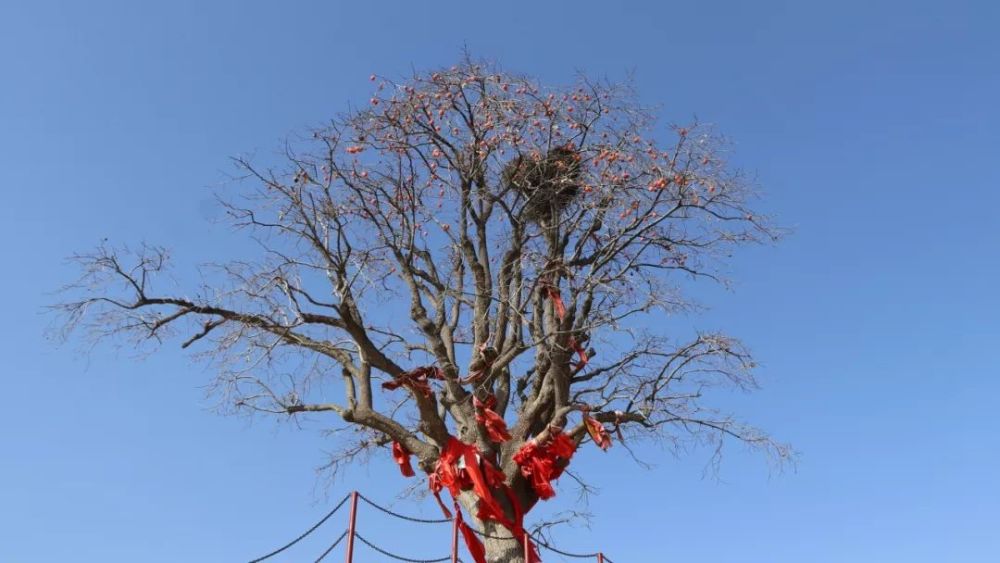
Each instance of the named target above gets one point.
<point>483,365</point>
<point>461,467</point>
<point>580,352</point>
<point>557,302</point>
<point>475,546</point>
<point>496,427</point>
<point>542,463</point>
<point>402,457</point>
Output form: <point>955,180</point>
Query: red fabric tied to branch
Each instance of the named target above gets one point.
<point>618,426</point>
<point>557,302</point>
<point>597,432</point>
<point>402,457</point>
<point>562,446</point>
<point>496,427</point>
<point>472,377</point>
<point>481,366</point>
<point>476,549</point>
<point>541,463</point>
<point>461,467</point>
<point>416,379</point>
<point>580,352</point>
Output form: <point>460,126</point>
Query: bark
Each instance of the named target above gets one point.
<point>499,543</point>
<point>503,550</point>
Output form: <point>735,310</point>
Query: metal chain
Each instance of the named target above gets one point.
<point>541,543</point>
<point>333,545</point>
<point>566,553</point>
<point>399,557</point>
<point>411,519</point>
<point>492,537</point>
<point>304,534</point>
<point>403,516</point>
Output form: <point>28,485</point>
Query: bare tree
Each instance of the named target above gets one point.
<point>469,248</point>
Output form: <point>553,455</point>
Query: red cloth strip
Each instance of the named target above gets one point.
<point>557,301</point>
<point>416,379</point>
<point>402,457</point>
<point>476,549</point>
<point>618,426</point>
<point>597,432</point>
<point>581,352</point>
<point>496,427</point>
<point>542,463</point>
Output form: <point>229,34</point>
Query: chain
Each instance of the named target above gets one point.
<point>304,534</point>
<point>411,519</point>
<point>403,516</point>
<point>399,557</point>
<point>567,554</point>
<point>541,543</point>
<point>333,545</point>
<point>492,537</point>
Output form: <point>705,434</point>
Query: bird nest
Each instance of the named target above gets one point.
<point>547,183</point>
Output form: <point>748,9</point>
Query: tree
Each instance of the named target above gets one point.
<point>484,249</point>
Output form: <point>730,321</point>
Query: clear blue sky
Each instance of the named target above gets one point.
<point>873,127</point>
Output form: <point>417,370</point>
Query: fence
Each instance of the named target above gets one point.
<point>351,535</point>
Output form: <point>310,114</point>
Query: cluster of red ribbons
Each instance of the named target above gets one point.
<point>419,379</point>
<point>496,427</point>
<point>416,379</point>
<point>543,462</point>
<point>461,467</point>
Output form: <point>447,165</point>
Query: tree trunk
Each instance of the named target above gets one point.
<point>503,550</point>
<point>499,544</point>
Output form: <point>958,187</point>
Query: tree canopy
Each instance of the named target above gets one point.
<point>471,262</point>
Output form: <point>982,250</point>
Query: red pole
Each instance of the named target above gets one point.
<point>600,557</point>
<point>350,527</point>
<point>527,548</point>
<point>454,540</point>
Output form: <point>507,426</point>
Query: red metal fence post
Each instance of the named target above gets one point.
<point>527,548</point>
<point>600,557</point>
<point>454,540</point>
<point>350,527</point>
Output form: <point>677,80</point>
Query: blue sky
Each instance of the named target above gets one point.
<point>873,127</point>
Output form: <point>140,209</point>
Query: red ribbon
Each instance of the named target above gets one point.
<point>416,379</point>
<point>472,377</point>
<point>496,427</point>
<point>557,302</point>
<point>598,433</point>
<point>476,549</point>
<point>541,463</point>
<point>402,457</point>
<point>484,368</point>
<point>618,426</point>
<point>581,352</point>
